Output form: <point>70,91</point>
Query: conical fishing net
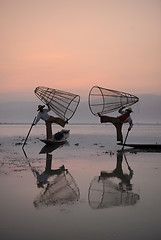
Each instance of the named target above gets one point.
<point>105,193</point>
<point>104,101</point>
<point>64,104</point>
<point>61,190</point>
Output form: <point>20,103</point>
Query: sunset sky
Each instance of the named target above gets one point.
<point>75,44</point>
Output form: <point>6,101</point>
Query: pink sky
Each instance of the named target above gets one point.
<point>75,44</point>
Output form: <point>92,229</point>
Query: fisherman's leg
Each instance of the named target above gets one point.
<point>116,123</point>
<point>119,132</point>
<point>118,170</point>
<point>57,120</point>
<point>104,119</point>
<point>48,162</point>
<point>48,130</point>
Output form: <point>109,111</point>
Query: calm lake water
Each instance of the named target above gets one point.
<point>85,189</point>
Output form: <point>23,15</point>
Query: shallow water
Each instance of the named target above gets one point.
<point>90,200</point>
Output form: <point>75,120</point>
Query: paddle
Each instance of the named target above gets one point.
<point>28,133</point>
<point>125,138</point>
<point>126,161</point>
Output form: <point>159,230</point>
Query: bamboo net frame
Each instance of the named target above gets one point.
<point>102,100</point>
<point>64,104</point>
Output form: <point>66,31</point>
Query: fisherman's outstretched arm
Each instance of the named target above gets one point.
<point>130,124</point>
<point>121,110</point>
<point>37,119</point>
<point>48,107</point>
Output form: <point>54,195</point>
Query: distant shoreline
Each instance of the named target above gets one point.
<point>78,124</point>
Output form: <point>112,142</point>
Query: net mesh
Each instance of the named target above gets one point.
<point>62,190</point>
<point>64,104</point>
<point>104,101</point>
<point>106,194</point>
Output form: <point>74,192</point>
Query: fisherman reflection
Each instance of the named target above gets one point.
<point>43,178</point>
<point>58,186</point>
<point>118,172</point>
<point>114,188</point>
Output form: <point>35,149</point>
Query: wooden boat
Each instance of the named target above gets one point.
<point>58,138</point>
<point>142,146</point>
<point>53,142</point>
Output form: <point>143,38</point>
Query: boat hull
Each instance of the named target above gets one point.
<point>142,146</point>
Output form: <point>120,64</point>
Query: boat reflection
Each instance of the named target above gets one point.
<point>112,189</point>
<point>57,185</point>
<point>50,148</point>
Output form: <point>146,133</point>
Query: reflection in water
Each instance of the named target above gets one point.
<point>114,188</point>
<point>51,148</point>
<point>58,185</point>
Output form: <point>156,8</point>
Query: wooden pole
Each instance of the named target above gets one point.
<point>28,133</point>
<point>125,139</point>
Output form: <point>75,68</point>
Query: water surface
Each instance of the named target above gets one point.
<point>98,194</point>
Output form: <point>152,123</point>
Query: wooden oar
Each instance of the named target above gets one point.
<point>28,133</point>
<point>125,139</point>
<point>126,161</point>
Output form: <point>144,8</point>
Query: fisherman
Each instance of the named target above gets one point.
<point>43,178</point>
<point>118,121</point>
<point>43,114</point>
<point>118,173</point>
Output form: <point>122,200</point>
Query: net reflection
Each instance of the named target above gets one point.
<point>112,189</point>
<point>57,185</point>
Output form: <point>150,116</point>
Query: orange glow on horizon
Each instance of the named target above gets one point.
<point>75,45</point>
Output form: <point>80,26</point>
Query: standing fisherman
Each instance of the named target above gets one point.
<point>43,114</point>
<point>118,121</point>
